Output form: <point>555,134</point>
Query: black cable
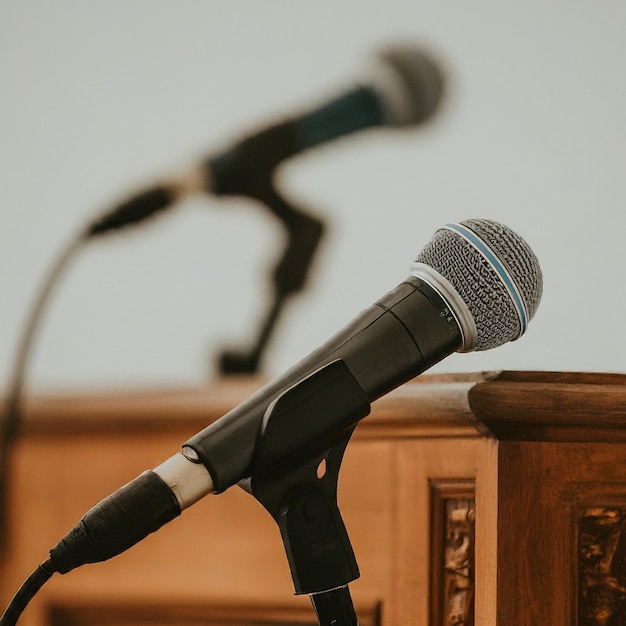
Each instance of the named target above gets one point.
<point>127,213</point>
<point>26,593</point>
<point>11,418</point>
<point>24,349</point>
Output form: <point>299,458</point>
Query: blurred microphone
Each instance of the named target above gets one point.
<point>474,286</point>
<point>404,89</point>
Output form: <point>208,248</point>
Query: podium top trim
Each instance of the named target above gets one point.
<point>506,405</point>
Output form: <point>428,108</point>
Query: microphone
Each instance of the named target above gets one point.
<point>474,286</point>
<point>404,89</point>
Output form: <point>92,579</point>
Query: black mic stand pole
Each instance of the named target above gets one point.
<point>295,478</point>
<point>303,235</point>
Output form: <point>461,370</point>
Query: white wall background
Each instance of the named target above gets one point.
<point>97,98</point>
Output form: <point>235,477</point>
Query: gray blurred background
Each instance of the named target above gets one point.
<point>99,98</point>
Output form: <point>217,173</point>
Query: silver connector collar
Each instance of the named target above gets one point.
<point>458,308</point>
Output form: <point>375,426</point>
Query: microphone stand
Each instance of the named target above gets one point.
<point>296,481</point>
<point>304,233</point>
<point>248,169</point>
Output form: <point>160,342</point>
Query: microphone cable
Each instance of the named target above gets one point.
<point>26,593</point>
<point>128,213</point>
<point>10,421</point>
<point>11,418</point>
<point>125,214</point>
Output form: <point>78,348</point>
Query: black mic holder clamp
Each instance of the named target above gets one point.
<point>295,478</point>
<point>248,170</point>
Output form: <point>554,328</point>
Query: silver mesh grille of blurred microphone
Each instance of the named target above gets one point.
<point>412,85</point>
<point>495,273</point>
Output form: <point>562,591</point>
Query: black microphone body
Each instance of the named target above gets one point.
<point>248,165</point>
<point>474,286</point>
<point>404,89</point>
<point>404,333</point>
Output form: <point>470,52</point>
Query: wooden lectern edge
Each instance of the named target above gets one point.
<point>552,406</point>
<point>517,405</point>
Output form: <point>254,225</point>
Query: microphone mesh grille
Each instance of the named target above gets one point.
<point>422,79</point>
<point>479,285</point>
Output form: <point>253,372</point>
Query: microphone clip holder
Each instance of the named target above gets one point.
<point>295,478</point>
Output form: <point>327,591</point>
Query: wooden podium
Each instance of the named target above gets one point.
<point>487,499</point>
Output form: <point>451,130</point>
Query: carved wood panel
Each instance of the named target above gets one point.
<point>602,566</point>
<point>453,508</point>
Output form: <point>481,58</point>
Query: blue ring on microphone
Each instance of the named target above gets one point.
<point>484,249</point>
